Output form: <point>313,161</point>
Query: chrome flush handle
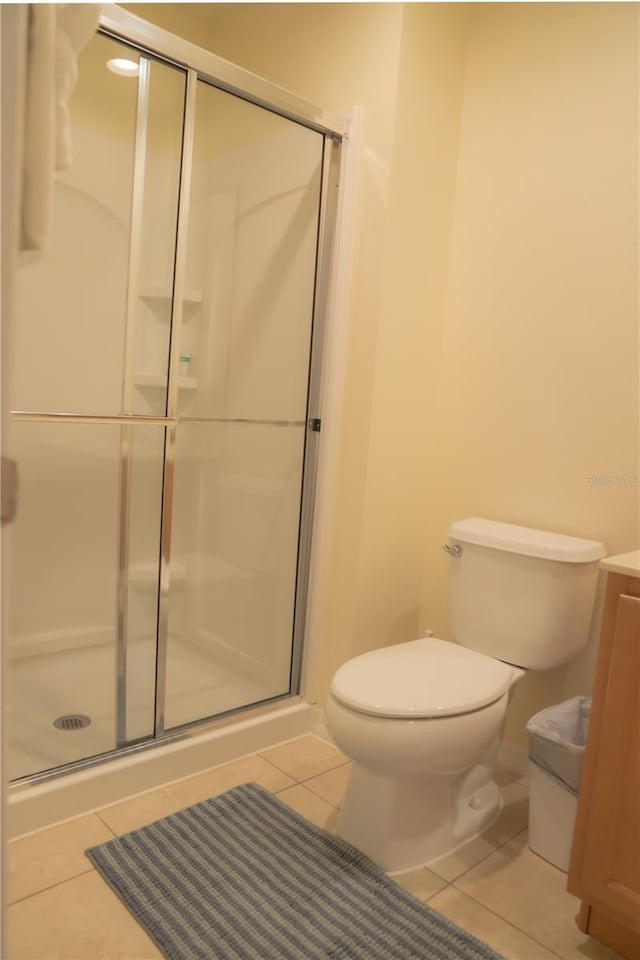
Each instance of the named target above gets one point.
<point>454,551</point>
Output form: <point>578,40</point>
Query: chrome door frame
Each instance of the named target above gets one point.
<point>125,26</point>
<point>126,432</point>
<point>172,402</point>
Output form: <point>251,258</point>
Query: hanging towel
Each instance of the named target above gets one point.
<point>75,25</point>
<point>56,33</point>
<point>39,132</point>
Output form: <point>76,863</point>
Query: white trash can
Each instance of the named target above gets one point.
<point>557,737</point>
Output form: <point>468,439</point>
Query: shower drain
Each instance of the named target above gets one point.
<point>72,721</point>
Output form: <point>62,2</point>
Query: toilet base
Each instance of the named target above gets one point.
<point>405,822</point>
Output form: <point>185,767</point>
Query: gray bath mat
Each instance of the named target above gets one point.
<point>243,877</point>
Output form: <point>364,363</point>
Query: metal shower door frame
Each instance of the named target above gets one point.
<point>199,64</point>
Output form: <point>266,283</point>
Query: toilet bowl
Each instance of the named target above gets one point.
<point>422,721</point>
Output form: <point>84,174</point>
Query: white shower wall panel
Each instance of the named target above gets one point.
<point>68,352</point>
<point>64,540</point>
<point>258,215</point>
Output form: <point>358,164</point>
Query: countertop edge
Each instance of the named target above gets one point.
<point>625,563</point>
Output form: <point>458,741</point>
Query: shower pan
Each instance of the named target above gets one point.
<point>165,404</point>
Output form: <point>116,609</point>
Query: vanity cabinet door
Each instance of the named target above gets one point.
<point>605,867</point>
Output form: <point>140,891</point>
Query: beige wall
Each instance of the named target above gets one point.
<point>491,361</point>
<point>387,581</point>
<point>537,385</point>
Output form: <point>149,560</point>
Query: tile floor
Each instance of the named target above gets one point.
<point>494,886</point>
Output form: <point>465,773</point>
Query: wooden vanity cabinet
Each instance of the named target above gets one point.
<point>605,860</point>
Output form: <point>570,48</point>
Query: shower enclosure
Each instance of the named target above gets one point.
<point>166,370</point>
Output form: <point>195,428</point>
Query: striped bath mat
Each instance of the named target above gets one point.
<point>243,877</point>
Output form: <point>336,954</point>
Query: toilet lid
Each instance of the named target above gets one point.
<point>423,678</point>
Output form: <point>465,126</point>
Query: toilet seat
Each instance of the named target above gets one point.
<point>421,679</point>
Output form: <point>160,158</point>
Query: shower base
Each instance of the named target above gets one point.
<point>32,806</point>
<point>204,680</point>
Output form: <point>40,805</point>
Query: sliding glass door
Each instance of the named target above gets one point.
<point>245,345</point>
<point>160,389</point>
<point>89,372</point>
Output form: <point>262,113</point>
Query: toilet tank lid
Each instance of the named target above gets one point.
<point>525,541</point>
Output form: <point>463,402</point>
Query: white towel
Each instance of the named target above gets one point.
<point>75,25</point>
<point>56,33</point>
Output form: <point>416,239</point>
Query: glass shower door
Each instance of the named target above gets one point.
<point>245,345</point>
<point>89,373</point>
<point>161,372</point>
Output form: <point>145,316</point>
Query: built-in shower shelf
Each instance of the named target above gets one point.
<point>146,574</point>
<point>162,296</point>
<point>157,380</point>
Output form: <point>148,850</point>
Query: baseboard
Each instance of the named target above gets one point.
<point>514,758</point>
<point>319,724</point>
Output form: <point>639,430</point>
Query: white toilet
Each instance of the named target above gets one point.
<point>422,721</point>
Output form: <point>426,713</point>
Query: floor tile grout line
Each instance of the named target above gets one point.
<point>508,922</point>
<point>441,890</point>
<point>482,859</point>
<point>312,793</point>
<point>109,828</point>
<point>336,806</point>
<point>52,886</point>
<point>444,886</point>
<point>276,767</point>
<point>303,783</point>
<point>313,776</point>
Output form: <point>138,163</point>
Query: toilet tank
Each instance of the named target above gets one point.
<point>520,595</point>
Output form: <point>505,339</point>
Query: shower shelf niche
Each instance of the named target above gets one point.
<point>146,574</point>
<point>157,296</point>
<point>157,380</point>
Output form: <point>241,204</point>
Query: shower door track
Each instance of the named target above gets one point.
<point>221,73</point>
